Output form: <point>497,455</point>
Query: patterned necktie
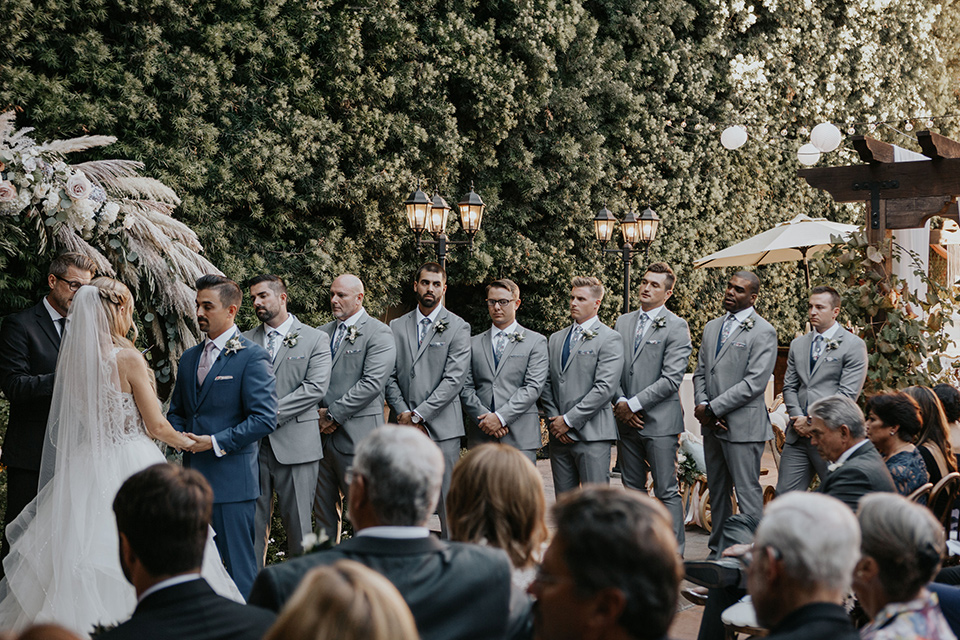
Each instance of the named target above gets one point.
<point>422,332</point>
<point>272,343</point>
<point>726,330</point>
<point>817,350</point>
<point>641,327</point>
<point>337,338</point>
<point>499,344</point>
<point>206,362</point>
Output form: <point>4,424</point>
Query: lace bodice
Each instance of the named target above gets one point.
<point>132,426</point>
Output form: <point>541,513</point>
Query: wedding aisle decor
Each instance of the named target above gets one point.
<point>107,211</point>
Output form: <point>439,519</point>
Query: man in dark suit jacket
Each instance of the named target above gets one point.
<point>163,515</point>
<point>454,590</point>
<point>29,344</point>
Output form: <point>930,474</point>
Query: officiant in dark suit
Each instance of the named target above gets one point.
<point>29,344</point>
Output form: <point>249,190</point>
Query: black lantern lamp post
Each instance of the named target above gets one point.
<point>635,231</point>
<point>424,214</point>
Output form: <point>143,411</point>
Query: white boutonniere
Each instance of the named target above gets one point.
<point>748,323</point>
<point>833,344</point>
<point>833,466</point>
<point>233,345</point>
<point>291,340</point>
<point>516,336</point>
<point>441,325</point>
<point>589,334</point>
<point>660,322</point>
<point>352,333</point>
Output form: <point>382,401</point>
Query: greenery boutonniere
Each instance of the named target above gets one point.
<point>660,322</point>
<point>291,340</point>
<point>516,336</point>
<point>441,325</point>
<point>352,333</point>
<point>233,345</point>
<point>748,323</point>
<point>833,344</point>
<point>589,334</point>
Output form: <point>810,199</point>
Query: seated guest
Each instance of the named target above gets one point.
<point>611,571</point>
<point>893,422</point>
<point>347,601</point>
<point>950,399</point>
<point>454,590</point>
<point>163,517</point>
<point>496,498</point>
<point>933,443</point>
<point>799,569</point>
<point>901,547</point>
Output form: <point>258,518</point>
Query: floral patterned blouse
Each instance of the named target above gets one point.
<point>919,619</point>
<point>908,470</point>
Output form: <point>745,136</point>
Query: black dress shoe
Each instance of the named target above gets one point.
<point>694,596</point>
<point>715,574</point>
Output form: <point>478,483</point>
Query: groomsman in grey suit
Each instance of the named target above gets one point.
<point>508,370</point>
<point>735,362</point>
<point>656,346</point>
<point>827,361</point>
<point>290,456</point>
<point>433,355</point>
<point>586,361</point>
<point>363,359</point>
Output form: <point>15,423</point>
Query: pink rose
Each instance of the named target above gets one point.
<point>78,186</point>
<point>8,192</point>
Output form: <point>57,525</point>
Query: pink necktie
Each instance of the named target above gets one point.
<point>206,361</point>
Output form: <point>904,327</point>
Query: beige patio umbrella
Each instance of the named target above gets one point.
<point>797,239</point>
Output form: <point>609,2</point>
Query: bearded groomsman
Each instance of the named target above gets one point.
<point>656,345</point>
<point>363,358</point>
<point>433,355</point>
<point>827,361</point>
<point>735,362</point>
<point>290,456</point>
<point>508,370</point>
<point>586,361</point>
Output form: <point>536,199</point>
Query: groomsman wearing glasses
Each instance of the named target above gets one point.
<point>29,345</point>
<point>508,370</point>
<point>363,358</point>
<point>433,355</point>
<point>657,347</point>
<point>586,361</point>
<point>290,456</point>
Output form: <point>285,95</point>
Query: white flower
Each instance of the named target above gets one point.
<point>29,164</point>
<point>681,457</point>
<point>8,192</point>
<point>233,345</point>
<point>309,541</point>
<point>108,214</point>
<point>78,186</point>
<point>52,202</point>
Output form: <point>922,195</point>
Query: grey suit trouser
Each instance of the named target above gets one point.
<point>658,454</point>
<point>294,485</point>
<point>450,449</point>
<point>332,489</point>
<point>798,462</point>
<point>729,465</point>
<point>579,463</point>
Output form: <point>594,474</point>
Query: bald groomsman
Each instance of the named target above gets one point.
<point>734,365</point>
<point>586,361</point>
<point>363,359</point>
<point>656,346</point>
<point>508,370</point>
<point>290,456</point>
<point>827,361</point>
<point>433,355</point>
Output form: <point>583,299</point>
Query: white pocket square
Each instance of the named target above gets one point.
<point>437,344</point>
<point>653,341</point>
<point>223,378</point>
<point>740,345</point>
<point>296,357</point>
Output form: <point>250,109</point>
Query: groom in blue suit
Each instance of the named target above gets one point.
<point>225,399</point>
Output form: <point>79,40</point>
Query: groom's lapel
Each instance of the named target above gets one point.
<point>188,370</point>
<point>217,367</point>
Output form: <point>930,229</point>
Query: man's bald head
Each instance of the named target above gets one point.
<point>346,296</point>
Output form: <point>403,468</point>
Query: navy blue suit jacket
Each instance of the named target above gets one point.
<point>237,404</point>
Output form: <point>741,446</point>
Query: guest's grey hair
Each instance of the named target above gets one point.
<point>817,537</point>
<point>839,410</point>
<point>904,538</point>
<point>403,469</point>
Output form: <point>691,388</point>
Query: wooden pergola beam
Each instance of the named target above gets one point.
<point>873,150</point>
<point>893,180</point>
<point>935,146</point>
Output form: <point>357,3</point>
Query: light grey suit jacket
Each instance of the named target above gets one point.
<point>583,390</point>
<point>303,373</point>
<point>734,380</point>
<point>654,373</point>
<point>361,370</point>
<point>428,377</point>
<point>511,389</point>
<point>838,371</point>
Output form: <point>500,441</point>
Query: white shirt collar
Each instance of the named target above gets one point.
<point>829,333</point>
<point>54,314</point>
<point>653,313</point>
<point>742,315</point>
<point>169,582</point>
<point>589,324</point>
<point>513,328</point>
<point>222,339</point>
<point>849,452</point>
<point>433,314</point>
<point>352,320</point>
<point>396,533</point>
<point>283,329</point>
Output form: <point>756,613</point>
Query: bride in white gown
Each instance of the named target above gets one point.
<point>64,565</point>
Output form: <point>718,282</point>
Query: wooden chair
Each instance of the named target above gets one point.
<point>921,492</point>
<point>943,495</point>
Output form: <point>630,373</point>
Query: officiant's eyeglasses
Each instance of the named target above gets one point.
<point>73,284</point>
<point>501,303</point>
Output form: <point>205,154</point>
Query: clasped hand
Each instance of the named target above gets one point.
<point>490,424</point>
<point>708,419</point>
<point>406,418</point>
<point>327,425</point>
<point>624,415</point>
<point>558,427</point>
<point>195,443</point>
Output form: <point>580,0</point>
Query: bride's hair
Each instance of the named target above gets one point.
<point>113,295</point>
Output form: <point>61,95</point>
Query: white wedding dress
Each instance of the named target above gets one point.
<point>64,564</point>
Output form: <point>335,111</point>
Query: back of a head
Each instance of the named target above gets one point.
<point>46,632</point>
<point>114,295</point>
<point>496,495</point>
<point>905,540</point>
<point>348,601</point>
<point>164,511</point>
<point>950,399</point>
<point>403,469</point>
<point>817,537</point>
<point>838,410</point>
<point>624,540</point>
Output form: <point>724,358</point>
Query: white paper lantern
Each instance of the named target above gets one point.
<point>825,137</point>
<point>808,155</point>
<point>733,137</point>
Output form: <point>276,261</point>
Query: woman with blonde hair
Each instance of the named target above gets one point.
<point>496,498</point>
<point>347,601</point>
